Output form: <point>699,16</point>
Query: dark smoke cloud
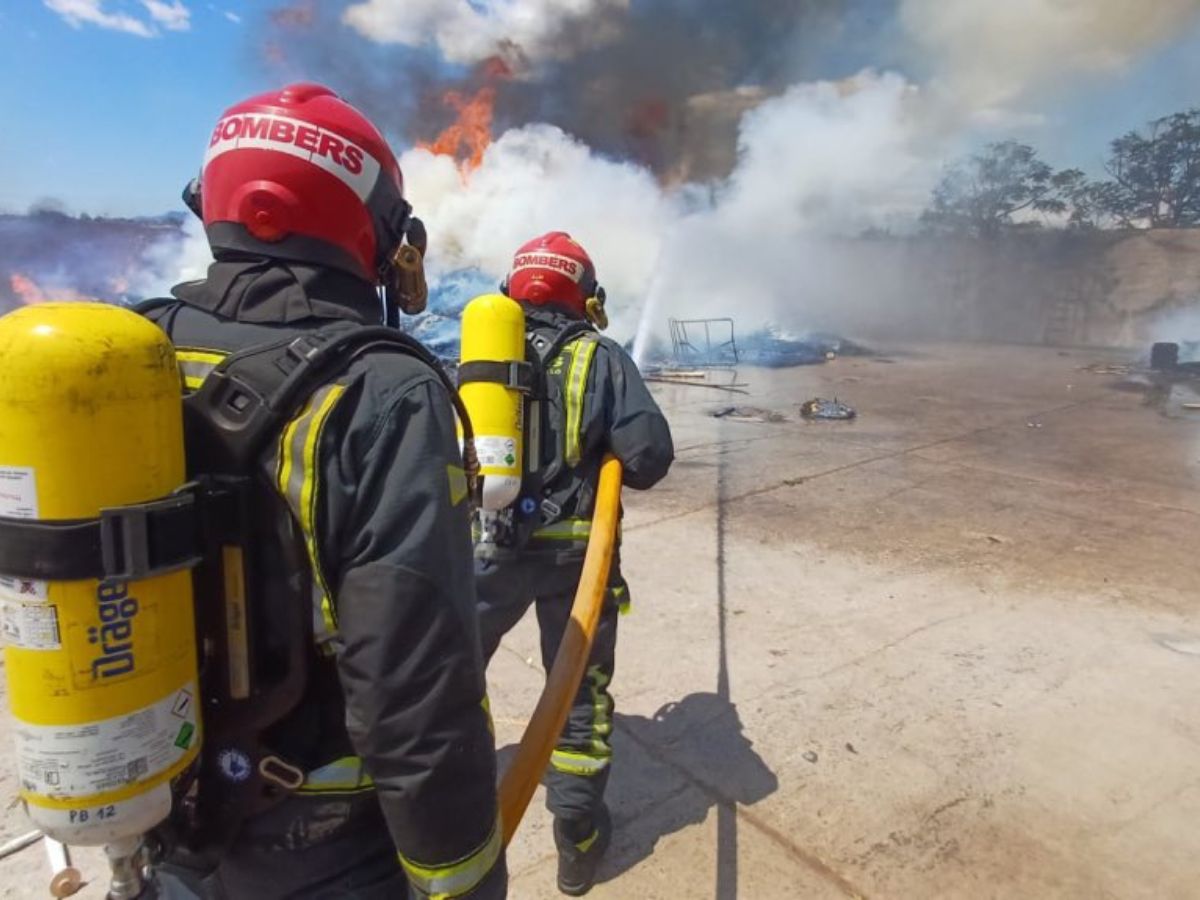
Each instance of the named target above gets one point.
<point>95,257</point>
<point>631,96</point>
<point>661,82</point>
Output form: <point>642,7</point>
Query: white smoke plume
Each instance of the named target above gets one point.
<point>470,32</point>
<point>989,54</point>
<point>537,179</point>
<point>812,164</point>
<point>819,162</point>
<point>1179,325</point>
<point>166,264</point>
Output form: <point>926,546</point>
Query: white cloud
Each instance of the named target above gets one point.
<point>233,17</point>
<point>78,13</point>
<point>173,16</point>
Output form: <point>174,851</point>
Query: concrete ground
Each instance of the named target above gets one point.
<point>951,649</point>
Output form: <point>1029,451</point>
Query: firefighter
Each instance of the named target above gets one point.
<point>303,206</point>
<point>598,403</point>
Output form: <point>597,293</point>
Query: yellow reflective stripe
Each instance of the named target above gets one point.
<point>573,763</point>
<point>299,482</point>
<point>486,703</point>
<point>458,484</point>
<point>188,354</point>
<point>196,365</point>
<point>597,757</point>
<point>601,723</point>
<point>342,776</point>
<point>586,844</point>
<point>456,879</point>
<point>621,595</point>
<point>566,530</point>
<point>582,352</point>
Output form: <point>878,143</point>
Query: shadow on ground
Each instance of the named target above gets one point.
<point>711,763</point>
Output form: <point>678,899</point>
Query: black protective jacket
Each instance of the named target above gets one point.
<point>372,477</point>
<point>600,404</point>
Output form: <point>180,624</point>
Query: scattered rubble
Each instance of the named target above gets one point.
<point>1107,368</point>
<point>833,410</point>
<point>773,348</point>
<point>712,343</point>
<point>693,378</point>
<point>747,414</point>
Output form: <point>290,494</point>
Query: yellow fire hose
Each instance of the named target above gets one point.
<point>522,777</point>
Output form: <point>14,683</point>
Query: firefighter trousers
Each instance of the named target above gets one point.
<point>579,766</point>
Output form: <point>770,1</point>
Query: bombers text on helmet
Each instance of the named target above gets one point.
<point>553,270</point>
<point>300,174</point>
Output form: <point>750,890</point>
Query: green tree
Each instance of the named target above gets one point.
<point>984,194</point>
<point>1083,200</point>
<point>1155,175</point>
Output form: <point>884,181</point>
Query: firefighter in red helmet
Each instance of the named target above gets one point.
<point>596,403</point>
<point>378,772</point>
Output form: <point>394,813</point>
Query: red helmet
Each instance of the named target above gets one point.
<point>553,270</point>
<point>300,174</point>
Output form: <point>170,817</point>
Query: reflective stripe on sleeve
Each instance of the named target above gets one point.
<point>456,879</point>
<point>298,479</point>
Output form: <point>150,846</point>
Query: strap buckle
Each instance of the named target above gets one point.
<point>125,552</point>
<point>520,376</point>
<point>305,347</point>
<point>278,772</point>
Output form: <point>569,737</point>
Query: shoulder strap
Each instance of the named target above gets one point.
<point>547,352</point>
<point>253,393</point>
<point>159,310</point>
<point>152,307</point>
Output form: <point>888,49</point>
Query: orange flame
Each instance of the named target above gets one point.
<point>29,291</point>
<point>470,134</point>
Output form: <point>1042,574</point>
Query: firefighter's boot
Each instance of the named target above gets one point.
<point>581,844</point>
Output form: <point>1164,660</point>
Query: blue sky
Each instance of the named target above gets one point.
<point>108,121</point>
<point>114,122</point>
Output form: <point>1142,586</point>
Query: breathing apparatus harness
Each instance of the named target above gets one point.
<point>505,533</point>
<point>207,526</point>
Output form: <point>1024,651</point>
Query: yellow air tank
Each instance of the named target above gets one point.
<point>493,330</point>
<point>102,677</point>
